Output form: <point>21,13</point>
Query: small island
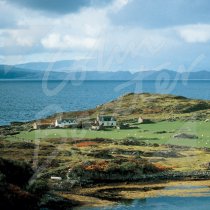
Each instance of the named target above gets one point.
<point>131,147</point>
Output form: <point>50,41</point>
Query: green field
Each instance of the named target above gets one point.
<point>161,133</point>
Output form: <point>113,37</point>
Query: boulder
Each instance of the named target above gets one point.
<point>185,136</point>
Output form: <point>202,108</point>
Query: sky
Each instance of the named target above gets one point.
<point>111,35</point>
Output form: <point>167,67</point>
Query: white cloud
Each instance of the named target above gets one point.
<point>199,33</point>
<point>22,41</point>
<point>58,41</point>
<point>92,33</point>
<point>77,31</point>
<point>118,5</point>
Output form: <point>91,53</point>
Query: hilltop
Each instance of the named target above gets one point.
<point>151,106</point>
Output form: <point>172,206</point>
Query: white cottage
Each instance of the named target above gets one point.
<point>61,123</point>
<point>106,121</point>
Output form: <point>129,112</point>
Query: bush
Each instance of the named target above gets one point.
<point>86,144</point>
<point>2,182</point>
<point>196,107</point>
<point>13,197</point>
<point>56,202</point>
<point>38,187</point>
<point>14,177</point>
<point>128,166</point>
<point>16,172</point>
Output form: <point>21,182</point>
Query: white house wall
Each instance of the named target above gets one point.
<point>108,123</point>
<point>61,125</point>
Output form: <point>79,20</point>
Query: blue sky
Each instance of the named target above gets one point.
<point>133,35</point>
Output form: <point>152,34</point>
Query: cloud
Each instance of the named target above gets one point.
<point>57,41</point>
<point>7,16</point>
<point>195,33</point>
<point>59,6</point>
<point>118,34</point>
<point>118,5</point>
<point>163,13</point>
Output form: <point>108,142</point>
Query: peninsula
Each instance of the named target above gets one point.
<point>156,138</point>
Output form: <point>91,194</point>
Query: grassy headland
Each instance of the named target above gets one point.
<point>175,146</point>
<point>150,106</point>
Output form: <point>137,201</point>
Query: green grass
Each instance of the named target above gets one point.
<point>146,132</point>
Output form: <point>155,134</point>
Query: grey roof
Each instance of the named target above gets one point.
<point>106,118</point>
<point>66,120</point>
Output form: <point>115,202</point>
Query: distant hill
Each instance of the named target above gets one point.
<point>58,66</point>
<point>65,70</point>
<point>11,72</point>
<point>171,75</point>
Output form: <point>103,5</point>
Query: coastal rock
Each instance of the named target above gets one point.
<point>185,136</point>
<point>165,154</point>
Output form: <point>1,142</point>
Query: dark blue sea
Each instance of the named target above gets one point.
<point>28,100</point>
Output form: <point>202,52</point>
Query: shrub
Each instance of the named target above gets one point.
<point>196,107</point>
<point>86,144</point>
<point>97,166</point>
<point>162,168</point>
<point>38,187</point>
<point>128,166</point>
<point>56,202</point>
<point>2,182</point>
<point>13,197</point>
<point>16,172</point>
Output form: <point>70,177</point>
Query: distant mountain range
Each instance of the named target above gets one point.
<point>12,72</point>
<point>58,66</point>
<point>65,70</point>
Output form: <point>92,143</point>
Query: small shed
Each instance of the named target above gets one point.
<point>140,120</point>
<point>43,124</point>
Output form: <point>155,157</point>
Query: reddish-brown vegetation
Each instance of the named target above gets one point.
<point>161,167</point>
<point>97,166</point>
<point>86,144</point>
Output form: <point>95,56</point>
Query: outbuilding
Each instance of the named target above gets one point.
<point>43,124</point>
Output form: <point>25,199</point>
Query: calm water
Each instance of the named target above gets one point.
<point>27,100</point>
<point>163,203</point>
<point>200,200</point>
